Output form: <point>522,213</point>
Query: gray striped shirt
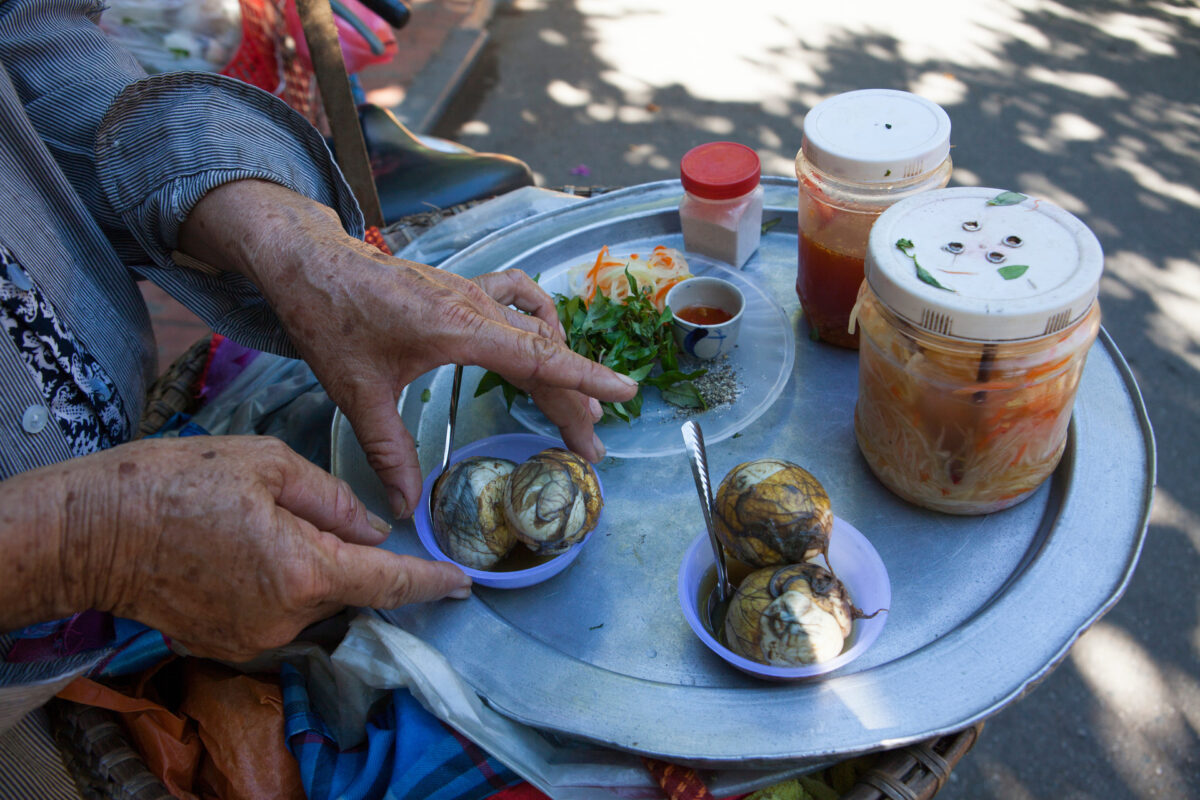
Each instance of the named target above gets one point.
<point>99,166</point>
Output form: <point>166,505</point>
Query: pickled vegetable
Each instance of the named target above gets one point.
<point>959,426</point>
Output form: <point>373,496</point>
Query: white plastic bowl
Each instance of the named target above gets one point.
<point>856,563</point>
<point>515,447</point>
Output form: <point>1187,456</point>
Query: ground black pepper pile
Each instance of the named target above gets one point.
<point>718,387</point>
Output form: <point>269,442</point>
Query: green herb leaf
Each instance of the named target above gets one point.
<point>1012,271</point>
<point>770,223</point>
<point>924,275</point>
<point>489,381</point>
<point>632,337</point>
<point>1007,199</point>
<point>425,395</point>
<point>510,393</point>
<point>905,246</point>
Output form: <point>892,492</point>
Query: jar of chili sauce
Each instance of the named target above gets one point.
<point>977,314</point>
<point>861,152</point>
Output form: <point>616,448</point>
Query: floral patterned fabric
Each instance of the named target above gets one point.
<point>80,396</point>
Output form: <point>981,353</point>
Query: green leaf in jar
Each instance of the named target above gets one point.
<point>1012,271</point>
<point>1007,199</point>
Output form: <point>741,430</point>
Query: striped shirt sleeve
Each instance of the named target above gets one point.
<point>141,151</point>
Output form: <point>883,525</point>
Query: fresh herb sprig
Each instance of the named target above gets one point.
<point>631,337</point>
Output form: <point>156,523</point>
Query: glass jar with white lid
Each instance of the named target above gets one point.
<point>861,152</point>
<point>975,319</point>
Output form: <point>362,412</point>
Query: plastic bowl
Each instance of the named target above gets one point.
<point>515,447</point>
<point>856,563</point>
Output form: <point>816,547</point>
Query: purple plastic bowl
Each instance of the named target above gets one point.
<point>515,447</point>
<point>856,563</point>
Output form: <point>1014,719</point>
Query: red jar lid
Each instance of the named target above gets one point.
<point>719,170</point>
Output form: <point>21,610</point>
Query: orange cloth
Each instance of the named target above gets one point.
<point>224,741</point>
<point>240,721</point>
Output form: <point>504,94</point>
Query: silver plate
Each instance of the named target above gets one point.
<point>983,607</point>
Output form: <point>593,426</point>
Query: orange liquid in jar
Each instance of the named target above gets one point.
<point>827,283</point>
<point>704,315</point>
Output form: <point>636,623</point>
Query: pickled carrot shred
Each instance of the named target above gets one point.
<point>606,274</point>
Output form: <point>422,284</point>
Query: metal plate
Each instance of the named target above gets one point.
<point>983,607</point>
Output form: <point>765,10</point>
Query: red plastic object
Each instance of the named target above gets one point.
<point>267,58</point>
<point>720,170</point>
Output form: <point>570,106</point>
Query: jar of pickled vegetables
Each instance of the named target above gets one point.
<point>976,316</point>
<point>861,152</point>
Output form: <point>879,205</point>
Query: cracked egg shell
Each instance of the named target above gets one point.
<point>789,616</point>
<point>467,511</point>
<point>770,511</point>
<point>552,500</point>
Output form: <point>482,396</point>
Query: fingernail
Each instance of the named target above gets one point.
<point>461,593</point>
<point>599,445</point>
<point>399,505</point>
<point>625,379</point>
<point>595,409</point>
<point>378,523</point>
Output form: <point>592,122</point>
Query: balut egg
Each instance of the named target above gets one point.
<point>771,511</point>
<point>789,616</point>
<point>467,511</point>
<point>552,501</point>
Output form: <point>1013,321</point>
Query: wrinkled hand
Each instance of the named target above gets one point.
<point>229,544</point>
<point>368,324</point>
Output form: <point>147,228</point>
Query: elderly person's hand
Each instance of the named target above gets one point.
<point>368,324</point>
<point>228,544</point>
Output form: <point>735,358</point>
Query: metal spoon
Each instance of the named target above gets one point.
<point>718,599</point>
<point>449,447</point>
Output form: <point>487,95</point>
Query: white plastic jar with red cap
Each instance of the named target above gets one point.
<point>722,207</point>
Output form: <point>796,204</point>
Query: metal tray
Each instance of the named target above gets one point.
<point>983,607</point>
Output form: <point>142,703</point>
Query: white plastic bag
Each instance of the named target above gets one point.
<point>174,35</point>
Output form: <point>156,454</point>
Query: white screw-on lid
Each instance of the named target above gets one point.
<point>876,136</point>
<point>983,264</point>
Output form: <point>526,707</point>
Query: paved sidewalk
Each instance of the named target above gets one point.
<point>436,49</point>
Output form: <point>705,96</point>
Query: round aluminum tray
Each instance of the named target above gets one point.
<point>983,607</point>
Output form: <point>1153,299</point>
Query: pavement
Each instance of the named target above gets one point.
<point>1092,104</point>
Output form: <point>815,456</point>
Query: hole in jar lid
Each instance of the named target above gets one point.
<point>1012,240</point>
<point>995,257</point>
<point>954,247</point>
<point>971,225</point>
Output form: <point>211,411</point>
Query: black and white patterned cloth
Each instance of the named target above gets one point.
<point>80,395</point>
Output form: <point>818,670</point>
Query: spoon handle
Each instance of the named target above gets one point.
<point>458,371</point>
<point>694,439</point>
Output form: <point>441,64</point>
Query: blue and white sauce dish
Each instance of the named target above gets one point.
<point>706,315</point>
